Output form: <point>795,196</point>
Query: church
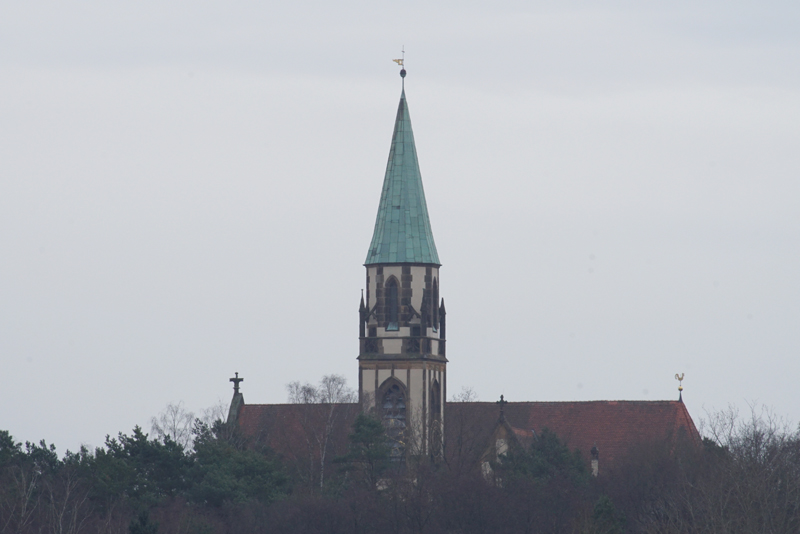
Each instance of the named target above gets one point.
<point>402,363</point>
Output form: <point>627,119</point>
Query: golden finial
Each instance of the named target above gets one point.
<point>679,378</point>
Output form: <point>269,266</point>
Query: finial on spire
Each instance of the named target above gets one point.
<point>679,378</point>
<point>502,402</point>
<point>236,381</point>
<point>401,62</point>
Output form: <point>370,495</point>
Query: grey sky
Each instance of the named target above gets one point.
<point>189,189</point>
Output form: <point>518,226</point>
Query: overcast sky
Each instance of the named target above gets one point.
<point>188,189</point>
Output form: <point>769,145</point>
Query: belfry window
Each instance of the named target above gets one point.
<point>435,306</point>
<point>392,305</point>
<point>394,420</point>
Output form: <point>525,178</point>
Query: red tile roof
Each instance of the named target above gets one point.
<point>614,426</point>
<point>292,429</point>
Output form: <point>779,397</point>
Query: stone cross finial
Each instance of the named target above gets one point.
<point>236,381</point>
<point>502,402</point>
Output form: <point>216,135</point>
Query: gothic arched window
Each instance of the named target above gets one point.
<point>436,400</point>
<point>436,420</point>
<point>392,305</point>
<point>435,305</point>
<point>393,409</point>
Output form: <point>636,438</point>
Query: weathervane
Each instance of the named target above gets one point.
<point>402,59</point>
<point>401,62</point>
<point>679,378</point>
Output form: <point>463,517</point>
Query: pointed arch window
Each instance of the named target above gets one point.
<point>436,400</point>
<point>436,442</point>
<point>435,305</point>
<point>392,305</point>
<point>393,408</point>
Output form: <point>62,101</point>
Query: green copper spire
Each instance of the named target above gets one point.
<point>402,228</point>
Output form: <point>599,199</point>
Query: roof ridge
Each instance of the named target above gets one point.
<point>303,404</point>
<point>627,401</point>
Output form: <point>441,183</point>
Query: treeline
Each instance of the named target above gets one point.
<point>134,484</point>
<point>743,478</point>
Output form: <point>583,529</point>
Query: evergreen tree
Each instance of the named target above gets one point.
<point>547,458</point>
<point>606,519</point>
<point>368,457</point>
<point>141,525</point>
<point>225,471</point>
<point>146,469</point>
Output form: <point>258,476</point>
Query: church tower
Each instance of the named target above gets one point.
<point>402,364</point>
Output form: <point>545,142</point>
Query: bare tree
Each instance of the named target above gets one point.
<point>19,496</point>
<point>745,478</point>
<point>467,394</point>
<point>333,389</point>
<point>68,502</point>
<point>214,413</point>
<point>176,422</point>
<point>302,393</point>
<point>331,398</point>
